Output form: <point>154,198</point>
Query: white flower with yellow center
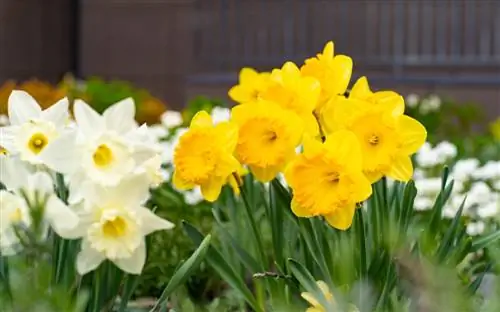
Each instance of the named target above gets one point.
<point>114,223</point>
<point>31,130</point>
<point>23,189</point>
<point>99,150</point>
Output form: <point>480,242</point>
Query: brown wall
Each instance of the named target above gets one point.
<point>34,39</point>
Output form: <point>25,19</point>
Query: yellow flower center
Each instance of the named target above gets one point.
<point>3,151</point>
<point>16,215</point>
<point>374,139</point>
<point>263,142</point>
<point>103,156</point>
<point>37,142</point>
<point>114,228</point>
<point>196,156</point>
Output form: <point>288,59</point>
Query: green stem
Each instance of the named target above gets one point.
<point>253,225</point>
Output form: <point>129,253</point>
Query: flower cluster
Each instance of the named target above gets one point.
<point>349,140</point>
<point>475,185</point>
<point>107,162</point>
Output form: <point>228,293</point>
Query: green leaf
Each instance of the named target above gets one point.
<point>484,241</point>
<point>185,271</point>
<point>129,286</point>
<point>450,236</point>
<point>307,281</point>
<point>278,204</point>
<point>228,274</point>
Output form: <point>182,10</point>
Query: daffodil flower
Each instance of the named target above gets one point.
<point>23,190</point>
<point>114,224</point>
<point>101,149</point>
<point>31,130</point>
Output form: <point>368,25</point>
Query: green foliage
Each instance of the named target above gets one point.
<point>391,259</point>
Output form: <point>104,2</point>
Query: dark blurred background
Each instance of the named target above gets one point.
<point>181,48</point>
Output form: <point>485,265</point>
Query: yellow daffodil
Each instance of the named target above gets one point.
<point>315,305</point>
<point>268,137</point>
<point>297,93</point>
<point>251,86</point>
<point>387,137</point>
<point>327,179</point>
<point>204,156</point>
<point>235,180</point>
<point>383,100</point>
<point>333,72</point>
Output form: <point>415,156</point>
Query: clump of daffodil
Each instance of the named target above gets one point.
<point>388,137</point>
<point>204,156</point>
<point>333,72</point>
<point>251,86</point>
<point>268,137</point>
<point>297,93</point>
<point>318,307</point>
<point>327,179</point>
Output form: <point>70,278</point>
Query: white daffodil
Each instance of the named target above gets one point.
<point>114,223</point>
<point>31,130</point>
<point>23,190</point>
<point>171,119</point>
<point>98,150</point>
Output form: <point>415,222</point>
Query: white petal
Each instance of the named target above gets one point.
<point>88,259</point>
<point>8,138</point>
<point>135,263</point>
<point>89,121</point>
<point>57,113</point>
<point>22,107</point>
<point>62,154</point>
<point>130,192</point>
<point>171,119</point>
<point>151,222</point>
<point>120,116</point>
<point>42,182</point>
<point>13,173</point>
<point>62,219</point>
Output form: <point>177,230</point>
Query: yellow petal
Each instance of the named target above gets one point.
<point>401,169</point>
<point>362,187</point>
<point>342,217</point>
<point>324,288</point>
<point>343,72</point>
<point>201,119</point>
<point>212,188</point>
<point>265,174</point>
<point>229,131</point>
<point>180,184</point>
<point>361,89</point>
<point>248,75</point>
<point>312,147</point>
<point>373,176</point>
<point>344,145</point>
<point>310,299</point>
<point>240,94</point>
<point>231,180</point>
<point>328,50</point>
<point>311,125</point>
<point>289,68</point>
<point>300,211</point>
<point>412,134</point>
<point>390,101</point>
<point>309,89</point>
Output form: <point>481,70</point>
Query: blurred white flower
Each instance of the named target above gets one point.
<point>488,210</point>
<point>434,102</point>
<point>426,157</point>
<point>32,130</point>
<point>171,119</point>
<point>220,114</point>
<point>496,185</point>
<point>412,100</point>
<point>428,186</point>
<point>445,151</point>
<point>193,197</point>
<point>23,189</point>
<point>464,168</point>
<point>423,203</point>
<point>491,170</point>
<point>113,225</point>
<point>475,228</point>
